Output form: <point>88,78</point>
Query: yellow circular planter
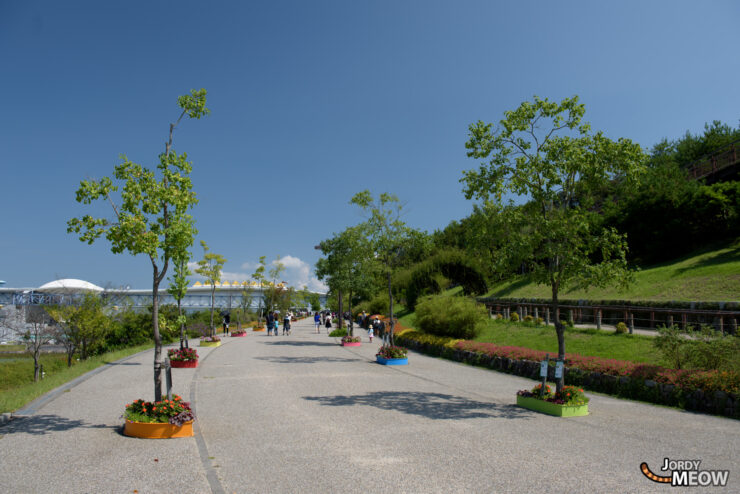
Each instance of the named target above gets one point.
<point>258,329</point>
<point>210,343</point>
<point>154,430</point>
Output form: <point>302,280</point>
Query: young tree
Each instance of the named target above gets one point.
<point>259,277</point>
<point>273,292</point>
<point>347,265</point>
<point>543,152</point>
<point>39,331</point>
<point>152,217</point>
<point>178,289</point>
<point>81,327</point>
<point>389,236</point>
<point>210,267</point>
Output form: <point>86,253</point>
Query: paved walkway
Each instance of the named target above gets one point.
<point>301,414</point>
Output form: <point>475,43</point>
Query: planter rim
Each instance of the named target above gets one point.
<point>550,408</point>
<point>392,361</point>
<point>157,430</point>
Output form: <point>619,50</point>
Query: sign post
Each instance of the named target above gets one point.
<point>543,374</point>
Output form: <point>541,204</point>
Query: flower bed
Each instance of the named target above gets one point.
<point>351,341</point>
<point>161,419</point>
<point>184,355</point>
<point>392,355</point>
<point>707,391</point>
<point>239,333</point>
<point>569,402</point>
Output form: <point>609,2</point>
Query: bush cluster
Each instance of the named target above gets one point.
<point>703,349</point>
<point>456,317</point>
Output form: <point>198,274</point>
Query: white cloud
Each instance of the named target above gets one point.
<point>297,274</point>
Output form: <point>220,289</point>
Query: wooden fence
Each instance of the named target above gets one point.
<point>633,316</point>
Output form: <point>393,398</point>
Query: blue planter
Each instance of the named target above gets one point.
<point>392,361</point>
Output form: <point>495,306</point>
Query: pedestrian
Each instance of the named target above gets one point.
<point>328,323</point>
<point>317,321</point>
<point>286,323</point>
<point>270,320</point>
<point>370,333</point>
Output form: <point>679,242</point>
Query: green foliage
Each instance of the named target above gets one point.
<point>456,317</point>
<point>339,332</point>
<point>543,151</point>
<point>452,265</point>
<point>152,217</point>
<point>704,349</point>
<point>572,395</point>
<point>528,320</point>
<point>389,236</point>
<point>514,317</point>
<point>210,268</point>
<point>348,265</point>
<point>620,328</point>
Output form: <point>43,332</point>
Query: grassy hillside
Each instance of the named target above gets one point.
<point>711,275</point>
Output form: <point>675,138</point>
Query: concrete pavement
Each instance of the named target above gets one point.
<point>300,413</point>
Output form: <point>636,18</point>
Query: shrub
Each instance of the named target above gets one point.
<point>539,321</point>
<point>528,319</point>
<point>338,332</point>
<point>571,395</point>
<point>514,317</point>
<point>456,317</point>
<point>673,346</point>
<point>620,328</point>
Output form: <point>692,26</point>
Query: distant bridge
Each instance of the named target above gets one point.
<point>198,297</point>
<point>718,165</point>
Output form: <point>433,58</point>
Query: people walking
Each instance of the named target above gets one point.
<point>328,323</point>
<point>286,323</point>
<point>270,319</point>
<point>317,322</point>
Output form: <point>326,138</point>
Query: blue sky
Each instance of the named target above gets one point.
<point>313,101</point>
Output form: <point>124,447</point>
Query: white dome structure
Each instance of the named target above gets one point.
<point>69,285</point>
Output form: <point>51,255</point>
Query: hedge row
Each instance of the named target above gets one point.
<point>704,391</point>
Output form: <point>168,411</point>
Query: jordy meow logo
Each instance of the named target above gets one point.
<point>686,473</point>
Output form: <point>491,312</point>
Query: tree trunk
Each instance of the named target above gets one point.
<point>213,305</point>
<point>560,330</point>
<point>350,327</point>
<point>69,357</point>
<point>36,373</point>
<point>391,339</point>
<point>340,309</point>
<point>157,341</point>
<point>182,325</point>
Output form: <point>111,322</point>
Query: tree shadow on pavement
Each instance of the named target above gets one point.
<point>45,424</point>
<point>430,405</point>
<point>299,343</point>
<point>306,360</point>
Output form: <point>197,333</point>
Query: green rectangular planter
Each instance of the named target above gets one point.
<point>549,408</point>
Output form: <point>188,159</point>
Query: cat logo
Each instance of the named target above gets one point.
<point>686,473</point>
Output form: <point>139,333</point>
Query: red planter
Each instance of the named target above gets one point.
<point>351,343</point>
<point>240,335</point>
<point>183,364</point>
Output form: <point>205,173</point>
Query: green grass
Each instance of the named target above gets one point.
<point>588,342</point>
<point>16,374</point>
<point>711,275</point>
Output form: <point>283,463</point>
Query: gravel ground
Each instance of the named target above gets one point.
<point>300,413</point>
